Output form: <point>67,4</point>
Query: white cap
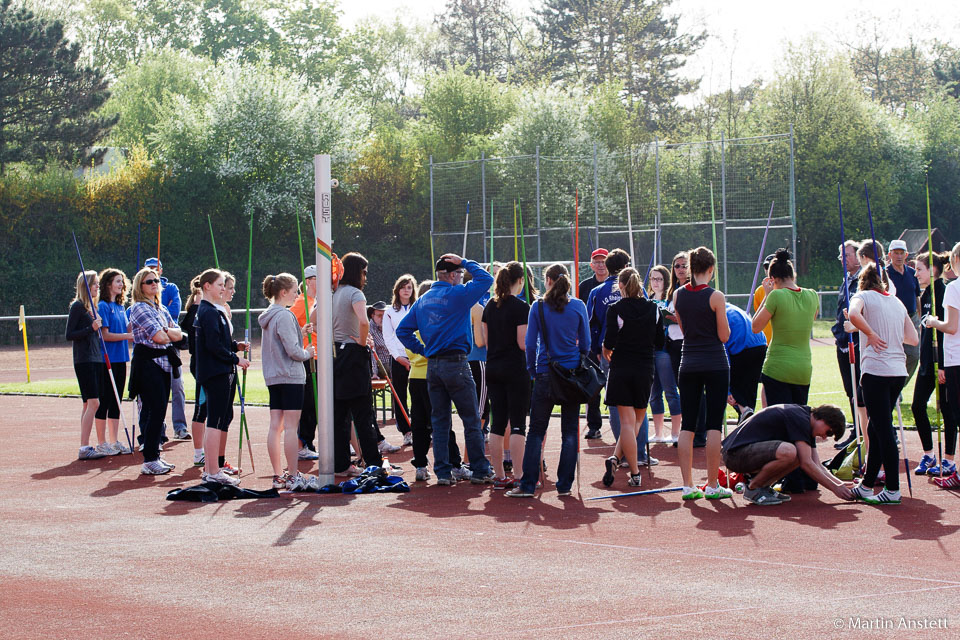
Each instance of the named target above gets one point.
<point>310,272</point>
<point>897,244</point>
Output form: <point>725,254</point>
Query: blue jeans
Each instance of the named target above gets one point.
<point>642,432</point>
<point>541,407</point>
<point>664,383</point>
<point>451,380</point>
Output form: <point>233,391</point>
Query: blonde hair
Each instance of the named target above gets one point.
<point>955,254</point>
<point>85,280</point>
<point>138,295</point>
<point>629,279</point>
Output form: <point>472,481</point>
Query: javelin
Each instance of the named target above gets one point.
<point>313,363</point>
<point>933,311</point>
<point>137,267</point>
<point>103,345</point>
<point>713,227</point>
<point>390,382</point>
<point>523,249</point>
<point>633,256</point>
<point>491,233</point>
<point>763,245</point>
<point>851,348</point>
<point>576,249</point>
<point>876,255</point>
<point>246,339</point>
<point>466,230</point>
<point>648,492</point>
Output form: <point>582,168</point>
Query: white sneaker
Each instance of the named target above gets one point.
<point>461,473</point>
<point>121,448</point>
<point>90,453</point>
<point>221,478</point>
<point>166,464</point>
<point>306,453</point>
<point>408,439</point>
<point>107,449</point>
<point>353,451</point>
<point>352,471</point>
<point>199,459</point>
<point>717,493</point>
<point>386,447</point>
<point>154,468</point>
<point>302,482</point>
<point>422,474</point>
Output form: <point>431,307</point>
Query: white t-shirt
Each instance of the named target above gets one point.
<point>886,316</point>
<point>951,343</point>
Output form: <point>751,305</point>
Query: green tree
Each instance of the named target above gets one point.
<point>478,35</point>
<point>46,99</point>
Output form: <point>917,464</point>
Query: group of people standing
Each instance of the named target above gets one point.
<point>447,341</point>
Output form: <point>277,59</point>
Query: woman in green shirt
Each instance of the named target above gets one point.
<point>790,310</point>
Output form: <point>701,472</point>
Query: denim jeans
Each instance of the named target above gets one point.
<point>664,383</point>
<point>540,409</point>
<point>642,431</point>
<point>451,380</point>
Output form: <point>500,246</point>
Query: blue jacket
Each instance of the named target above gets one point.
<point>170,298</point>
<point>442,315</point>
<point>741,334</point>
<point>843,303</point>
<point>599,300</point>
<point>568,333</point>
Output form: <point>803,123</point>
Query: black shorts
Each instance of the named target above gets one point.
<point>629,387</point>
<point>750,458</point>
<point>286,397</point>
<point>90,375</point>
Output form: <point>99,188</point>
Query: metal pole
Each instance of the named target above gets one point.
<point>433,260</point>
<point>483,203</point>
<point>723,207</point>
<point>323,249</point>
<point>538,204</point>
<point>659,224</point>
<point>596,200</point>
<point>793,199</point>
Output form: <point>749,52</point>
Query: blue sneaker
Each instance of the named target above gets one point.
<point>948,468</point>
<point>926,463</point>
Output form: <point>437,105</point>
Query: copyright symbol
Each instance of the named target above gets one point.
<point>838,624</point>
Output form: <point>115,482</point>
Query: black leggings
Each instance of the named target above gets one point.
<point>108,403</point>
<point>880,394</point>
<point>199,408</point>
<point>219,391</point>
<point>153,384</point>
<point>778,392</point>
<point>420,410</point>
<point>307,429</point>
<point>951,407</point>
<point>478,368</point>
<point>360,409</point>
<point>400,377</point>
<point>924,388</point>
<point>745,368</point>
<point>692,385</point>
<point>509,401</point>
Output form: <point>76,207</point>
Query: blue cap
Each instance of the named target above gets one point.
<point>153,262</point>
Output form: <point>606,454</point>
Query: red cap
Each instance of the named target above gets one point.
<point>599,252</point>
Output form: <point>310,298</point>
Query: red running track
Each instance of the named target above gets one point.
<point>92,550</point>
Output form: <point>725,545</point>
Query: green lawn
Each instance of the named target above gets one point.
<point>825,388</point>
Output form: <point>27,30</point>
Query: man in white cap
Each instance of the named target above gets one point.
<point>308,415</point>
<point>904,278</point>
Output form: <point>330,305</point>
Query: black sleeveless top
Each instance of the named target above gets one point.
<point>702,349</point>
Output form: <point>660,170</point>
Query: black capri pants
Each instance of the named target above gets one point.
<point>90,377</point>
<point>692,385</point>
<point>108,402</point>
<point>219,392</point>
<point>784,392</point>
<point>509,391</point>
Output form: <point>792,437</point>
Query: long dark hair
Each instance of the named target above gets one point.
<point>870,279</point>
<point>663,271</point>
<point>507,277</point>
<point>674,280</point>
<point>353,266</point>
<point>107,276</point>
<point>401,282</point>
<point>782,267</point>
<point>557,296</point>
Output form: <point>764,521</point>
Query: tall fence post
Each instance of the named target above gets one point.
<point>431,213</point>
<point>538,204</point>
<point>723,208</point>
<point>659,220</point>
<point>483,202</point>
<point>793,200</point>
<point>596,199</point>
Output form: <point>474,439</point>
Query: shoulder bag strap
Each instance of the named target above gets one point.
<point>543,330</point>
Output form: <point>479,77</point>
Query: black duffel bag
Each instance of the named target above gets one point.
<point>580,384</point>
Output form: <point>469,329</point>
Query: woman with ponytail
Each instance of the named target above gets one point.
<point>788,366</point>
<point>82,325</point>
<point>200,402</point>
<point>704,370</point>
<point>561,322</point>
<point>929,268</point>
<point>114,291</point>
<point>634,332</point>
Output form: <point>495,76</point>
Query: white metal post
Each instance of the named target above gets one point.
<point>323,247</point>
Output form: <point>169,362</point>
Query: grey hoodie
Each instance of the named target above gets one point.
<point>281,347</point>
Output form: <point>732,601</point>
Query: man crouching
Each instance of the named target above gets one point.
<point>776,440</point>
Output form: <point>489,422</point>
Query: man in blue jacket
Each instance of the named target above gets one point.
<point>442,316</point>
<point>170,298</point>
<point>851,385</point>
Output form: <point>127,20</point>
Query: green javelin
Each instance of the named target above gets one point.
<point>713,226</point>
<point>303,275</point>
<point>933,312</point>
<point>246,337</point>
<point>523,251</point>
<point>491,234</point>
<point>216,261</point>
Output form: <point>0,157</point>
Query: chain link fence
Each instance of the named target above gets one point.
<point>495,208</point>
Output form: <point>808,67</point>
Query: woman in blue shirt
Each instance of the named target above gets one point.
<point>566,329</point>
<point>114,289</point>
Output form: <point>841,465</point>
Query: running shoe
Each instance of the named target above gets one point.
<point>762,496</point>
<point>564,493</point>
<point>89,453</point>
<point>182,433</point>
<point>198,459</point>
<point>229,469</point>
<point>744,415</point>
<point>352,471</point>
<point>302,482</point>
<point>166,464</point>
<point>717,493</point>
<point>154,468</point>
<point>107,449</point>
<point>386,447</point>
<point>634,480</point>
<point>422,474</point>
<point>461,473</point>
<point>487,478</point>
<point>517,492</point>
<point>951,481</point>
<point>861,492</point>
<point>593,434</point>
<point>408,439</point>
<point>643,462</point>
<point>121,448</point>
<point>611,465</point>
<point>947,466</point>
<point>221,478</point>
<point>280,482</point>
<point>927,462</point>
<point>307,453</point>
<point>506,482</point>
<point>691,493</point>
<point>884,497</point>
<point>446,482</point>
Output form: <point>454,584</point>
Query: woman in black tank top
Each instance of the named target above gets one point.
<point>701,313</point>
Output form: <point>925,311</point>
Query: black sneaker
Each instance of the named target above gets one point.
<point>508,467</point>
<point>611,464</point>
<point>592,434</point>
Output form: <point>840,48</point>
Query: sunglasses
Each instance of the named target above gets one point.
<point>151,281</point>
<point>679,266</point>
